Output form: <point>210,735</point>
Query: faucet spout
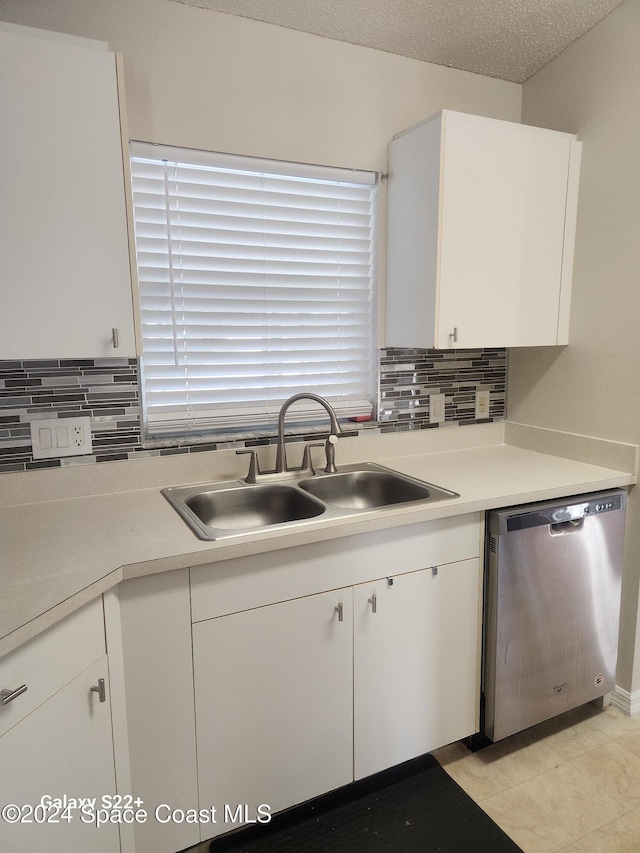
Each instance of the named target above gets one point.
<point>281,458</point>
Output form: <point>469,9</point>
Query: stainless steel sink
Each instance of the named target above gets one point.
<point>230,509</point>
<point>216,509</point>
<point>371,489</point>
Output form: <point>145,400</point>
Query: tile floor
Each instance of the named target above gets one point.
<point>570,784</point>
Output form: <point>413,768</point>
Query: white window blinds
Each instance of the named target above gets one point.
<point>256,282</point>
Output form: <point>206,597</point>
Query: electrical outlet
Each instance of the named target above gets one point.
<point>436,408</point>
<point>56,437</point>
<point>77,433</point>
<point>483,397</point>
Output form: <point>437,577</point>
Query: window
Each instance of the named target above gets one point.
<point>256,282</point>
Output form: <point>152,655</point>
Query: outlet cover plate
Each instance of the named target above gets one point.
<point>483,402</point>
<point>52,438</point>
<point>436,408</point>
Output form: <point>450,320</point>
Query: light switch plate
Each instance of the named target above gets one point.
<point>52,438</point>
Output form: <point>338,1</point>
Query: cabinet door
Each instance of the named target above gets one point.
<point>50,660</point>
<point>502,231</point>
<point>63,747</point>
<point>63,241</point>
<point>154,720</point>
<point>416,664</point>
<point>481,231</point>
<point>274,704</point>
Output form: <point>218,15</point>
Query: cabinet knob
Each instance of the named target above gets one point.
<point>339,609</point>
<point>99,688</point>
<point>7,696</point>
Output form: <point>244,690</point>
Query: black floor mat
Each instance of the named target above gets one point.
<point>414,808</point>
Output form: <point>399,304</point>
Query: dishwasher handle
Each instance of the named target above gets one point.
<point>559,528</point>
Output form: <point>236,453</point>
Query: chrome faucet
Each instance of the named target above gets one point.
<point>330,444</point>
<point>255,474</point>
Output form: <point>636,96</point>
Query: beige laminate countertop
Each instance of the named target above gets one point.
<point>58,554</point>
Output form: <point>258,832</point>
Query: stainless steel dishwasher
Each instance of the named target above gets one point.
<point>552,607</point>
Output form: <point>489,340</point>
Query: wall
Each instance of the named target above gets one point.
<point>592,386</point>
<point>206,80</point>
<point>202,79</point>
<point>106,390</point>
<point>409,376</point>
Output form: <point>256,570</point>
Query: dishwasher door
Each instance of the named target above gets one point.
<point>552,608</point>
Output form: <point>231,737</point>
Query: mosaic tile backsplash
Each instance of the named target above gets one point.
<point>409,376</point>
<point>104,389</point>
<point>107,391</point>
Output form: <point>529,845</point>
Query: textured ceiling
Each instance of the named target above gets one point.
<point>508,39</point>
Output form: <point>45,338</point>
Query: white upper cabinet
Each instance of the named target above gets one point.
<point>481,230</point>
<point>66,279</point>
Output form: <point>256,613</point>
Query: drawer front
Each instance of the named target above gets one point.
<point>49,661</point>
<point>231,586</point>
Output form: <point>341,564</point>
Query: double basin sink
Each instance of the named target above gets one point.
<point>230,509</point>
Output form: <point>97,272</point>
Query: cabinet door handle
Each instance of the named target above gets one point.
<point>115,337</point>
<point>9,695</point>
<point>99,688</point>
<point>339,609</point>
<point>373,601</point>
<point>454,335</point>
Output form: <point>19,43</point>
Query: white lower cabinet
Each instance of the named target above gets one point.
<point>274,703</point>
<point>239,688</point>
<point>148,623</point>
<point>64,747</point>
<point>416,670</point>
<point>61,747</point>
<point>297,698</point>
<point>249,685</point>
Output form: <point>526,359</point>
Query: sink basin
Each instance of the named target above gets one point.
<point>226,509</point>
<point>214,512</point>
<point>368,489</point>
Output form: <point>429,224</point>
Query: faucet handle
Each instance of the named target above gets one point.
<point>254,466</point>
<point>307,462</point>
<point>330,451</point>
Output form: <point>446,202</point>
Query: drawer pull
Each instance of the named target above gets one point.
<point>99,688</point>
<point>9,695</point>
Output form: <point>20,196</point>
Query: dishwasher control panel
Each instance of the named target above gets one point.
<point>603,507</point>
<point>551,512</point>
